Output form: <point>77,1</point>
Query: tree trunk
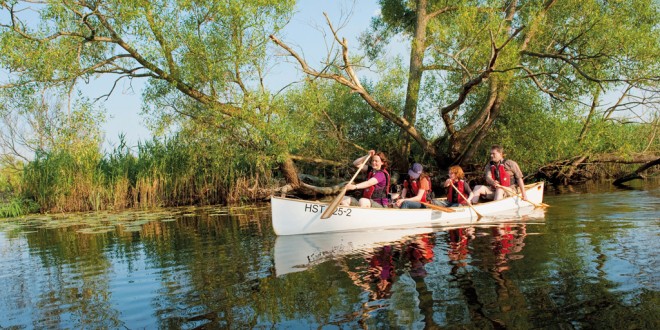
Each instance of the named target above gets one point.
<point>290,173</point>
<point>483,130</point>
<point>417,48</point>
<point>592,111</point>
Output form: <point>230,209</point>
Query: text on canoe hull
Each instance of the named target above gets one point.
<point>315,208</point>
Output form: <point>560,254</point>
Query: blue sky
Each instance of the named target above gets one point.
<point>124,105</point>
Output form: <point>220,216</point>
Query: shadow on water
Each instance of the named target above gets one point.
<point>590,261</point>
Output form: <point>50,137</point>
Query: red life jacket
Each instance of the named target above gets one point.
<point>499,174</point>
<point>414,188</point>
<point>372,192</point>
<point>459,199</point>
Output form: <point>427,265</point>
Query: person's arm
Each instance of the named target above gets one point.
<point>403,193</point>
<point>521,184</point>
<point>418,198</point>
<point>363,184</point>
<point>489,177</point>
<point>468,192</point>
<point>359,161</point>
<point>517,173</point>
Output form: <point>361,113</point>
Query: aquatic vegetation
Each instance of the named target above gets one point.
<point>17,207</point>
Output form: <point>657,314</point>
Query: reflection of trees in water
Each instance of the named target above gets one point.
<point>211,269</point>
<point>216,271</point>
<point>202,267</point>
<point>65,280</point>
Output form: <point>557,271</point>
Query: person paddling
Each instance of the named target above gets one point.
<point>377,185</point>
<point>456,182</point>
<point>499,173</point>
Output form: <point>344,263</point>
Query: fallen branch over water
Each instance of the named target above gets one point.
<point>637,174</point>
<point>586,167</point>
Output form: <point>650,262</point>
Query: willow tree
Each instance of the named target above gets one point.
<point>204,61</point>
<point>472,55</point>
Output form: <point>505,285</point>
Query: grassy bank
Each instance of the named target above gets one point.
<point>159,173</point>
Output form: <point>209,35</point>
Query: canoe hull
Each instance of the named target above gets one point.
<point>293,217</point>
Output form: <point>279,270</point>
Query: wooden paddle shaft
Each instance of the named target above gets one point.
<point>511,191</point>
<point>439,208</point>
<point>333,206</point>
<point>466,200</point>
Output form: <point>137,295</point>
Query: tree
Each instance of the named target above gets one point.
<point>474,55</point>
<point>212,52</point>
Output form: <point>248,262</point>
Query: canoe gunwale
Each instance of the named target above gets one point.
<point>291,216</point>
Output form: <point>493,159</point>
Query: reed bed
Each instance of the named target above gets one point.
<point>160,174</point>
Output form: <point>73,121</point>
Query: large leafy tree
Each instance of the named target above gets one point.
<point>467,58</point>
<point>204,61</point>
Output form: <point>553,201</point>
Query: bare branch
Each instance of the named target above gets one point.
<point>610,110</point>
<point>538,84</point>
<point>575,65</point>
<point>354,84</point>
<point>467,87</point>
<point>440,11</point>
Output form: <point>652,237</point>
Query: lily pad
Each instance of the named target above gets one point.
<point>95,230</point>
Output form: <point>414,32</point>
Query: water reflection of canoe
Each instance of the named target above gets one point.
<point>299,252</point>
<point>294,253</point>
<point>293,217</point>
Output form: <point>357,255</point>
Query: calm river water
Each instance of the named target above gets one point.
<point>589,261</point>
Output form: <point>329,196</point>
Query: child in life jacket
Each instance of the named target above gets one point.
<point>458,191</point>
<point>416,190</point>
<point>377,186</point>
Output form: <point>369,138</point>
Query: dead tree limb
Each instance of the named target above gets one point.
<point>637,174</point>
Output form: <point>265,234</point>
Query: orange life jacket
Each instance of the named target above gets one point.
<point>499,174</point>
<point>414,188</point>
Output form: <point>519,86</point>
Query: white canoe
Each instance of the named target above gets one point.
<point>294,216</point>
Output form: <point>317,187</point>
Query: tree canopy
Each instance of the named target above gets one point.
<point>514,71</point>
<point>468,58</point>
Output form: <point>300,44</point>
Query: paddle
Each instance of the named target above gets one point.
<point>335,202</point>
<point>439,208</point>
<point>479,216</point>
<point>510,191</point>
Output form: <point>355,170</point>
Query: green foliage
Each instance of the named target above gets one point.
<point>10,176</point>
<point>16,207</point>
<point>563,49</point>
<point>181,170</point>
<point>324,115</point>
<point>535,133</point>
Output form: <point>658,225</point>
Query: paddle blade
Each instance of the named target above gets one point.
<point>333,206</point>
<point>541,205</point>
